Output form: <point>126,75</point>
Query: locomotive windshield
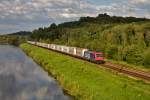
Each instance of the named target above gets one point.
<point>99,55</point>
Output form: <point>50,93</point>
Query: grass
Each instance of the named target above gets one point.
<point>84,80</point>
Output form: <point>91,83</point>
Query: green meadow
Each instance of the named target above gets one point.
<point>85,81</point>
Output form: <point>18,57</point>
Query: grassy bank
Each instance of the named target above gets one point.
<point>84,80</point>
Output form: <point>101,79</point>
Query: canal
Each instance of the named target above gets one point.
<point>22,79</point>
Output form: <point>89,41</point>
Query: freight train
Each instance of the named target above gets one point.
<point>93,56</point>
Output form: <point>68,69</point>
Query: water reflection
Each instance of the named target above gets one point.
<point>22,79</point>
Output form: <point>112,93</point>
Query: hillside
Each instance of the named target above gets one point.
<point>120,38</point>
<point>21,33</point>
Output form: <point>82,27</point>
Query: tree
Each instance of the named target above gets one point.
<point>53,26</point>
<point>134,55</point>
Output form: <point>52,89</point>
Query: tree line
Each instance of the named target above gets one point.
<point>14,38</point>
<point>120,38</point>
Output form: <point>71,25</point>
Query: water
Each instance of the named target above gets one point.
<point>22,79</point>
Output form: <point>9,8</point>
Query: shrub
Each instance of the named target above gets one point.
<point>112,52</point>
<point>132,54</point>
<point>147,58</point>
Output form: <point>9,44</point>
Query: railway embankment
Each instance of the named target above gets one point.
<point>84,80</point>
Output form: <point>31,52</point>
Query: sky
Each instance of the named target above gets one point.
<point>20,15</point>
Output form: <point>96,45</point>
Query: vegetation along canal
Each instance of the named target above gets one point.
<point>22,79</point>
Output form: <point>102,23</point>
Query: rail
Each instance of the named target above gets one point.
<point>116,67</point>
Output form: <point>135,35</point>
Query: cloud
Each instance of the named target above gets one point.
<point>29,14</point>
<point>140,1</point>
<point>7,26</point>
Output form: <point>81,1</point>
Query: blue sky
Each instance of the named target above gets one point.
<point>17,15</point>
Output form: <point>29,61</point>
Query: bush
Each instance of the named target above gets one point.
<point>133,55</point>
<point>147,58</point>
<point>112,52</point>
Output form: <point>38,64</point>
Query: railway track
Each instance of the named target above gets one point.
<point>143,75</point>
<point>129,71</point>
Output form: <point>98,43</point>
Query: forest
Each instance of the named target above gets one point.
<point>120,38</point>
<point>12,39</point>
